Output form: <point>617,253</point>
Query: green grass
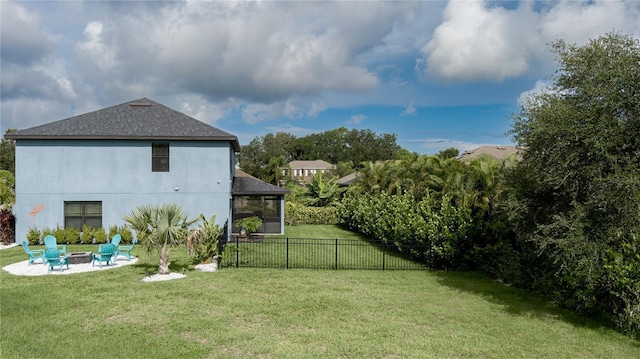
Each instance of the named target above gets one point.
<point>324,247</point>
<point>276,313</point>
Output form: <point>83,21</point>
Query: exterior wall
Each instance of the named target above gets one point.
<point>118,173</point>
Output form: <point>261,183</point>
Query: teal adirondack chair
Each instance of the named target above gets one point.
<point>105,255</point>
<point>33,253</point>
<point>54,259</point>
<point>115,241</point>
<point>50,242</point>
<point>125,250</point>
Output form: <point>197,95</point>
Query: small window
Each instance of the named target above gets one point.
<point>160,157</point>
<point>78,214</point>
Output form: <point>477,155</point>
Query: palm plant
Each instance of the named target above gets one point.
<point>158,228</point>
<point>202,242</point>
<point>324,192</point>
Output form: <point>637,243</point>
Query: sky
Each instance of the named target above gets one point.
<point>438,74</point>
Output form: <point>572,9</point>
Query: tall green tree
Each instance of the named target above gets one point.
<point>7,189</point>
<point>263,156</point>
<point>450,152</point>
<point>8,153</point>
<point>578,186</point>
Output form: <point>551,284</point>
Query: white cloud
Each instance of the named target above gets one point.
<point>255,52</point>
<point>294,130</point>
<point>292,108</point>
<point>200,108</point>
<point>356,119</point>
<point>539,88</point>
<point>95,49</point>
<point>480,40</point>
<point>476,42</point>
<point>22,39</point>
<point>410,110</point>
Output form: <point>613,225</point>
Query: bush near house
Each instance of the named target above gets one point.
<point>297,214</point>
<point>7,226</point>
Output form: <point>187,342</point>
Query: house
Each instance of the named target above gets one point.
<point>95,168</point>
<point>303,171</point>
<point>499,152</point>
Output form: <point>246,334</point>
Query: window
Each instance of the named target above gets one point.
<point>77,214</point>
<point>160,157</point>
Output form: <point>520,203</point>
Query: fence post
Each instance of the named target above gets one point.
<point>336,253</point>
<point>287,266</point>
<point>237,251</point>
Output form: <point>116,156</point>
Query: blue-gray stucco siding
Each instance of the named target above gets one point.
<point>118,173</point>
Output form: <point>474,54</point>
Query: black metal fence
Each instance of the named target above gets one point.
<point>278,252</point>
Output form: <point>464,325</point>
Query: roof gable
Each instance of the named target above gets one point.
<point>141,119</point>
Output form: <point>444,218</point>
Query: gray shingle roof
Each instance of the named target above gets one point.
<point>141,119</point>
<point>245,184</point>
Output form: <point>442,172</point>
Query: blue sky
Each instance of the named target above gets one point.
<point>438,74</point>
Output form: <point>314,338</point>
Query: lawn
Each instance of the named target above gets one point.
<point>277,313</point>
<point>319,247</point>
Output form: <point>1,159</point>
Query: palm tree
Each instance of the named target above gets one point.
<point>158,227</point>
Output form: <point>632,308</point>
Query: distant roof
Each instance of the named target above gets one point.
<point>499,152</point>
<point>141,119</point>
<point>348,179</point>
<point>246,184</point>
<point>311,165</point>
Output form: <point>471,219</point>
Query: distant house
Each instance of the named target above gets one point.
<point>96,167</point>
<point>303,171</point>
<point>499,152</point>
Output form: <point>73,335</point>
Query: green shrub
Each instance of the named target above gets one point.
<point>33,236</point>
<point>202,243</point>
<point>7,226</point>
<point>72,235</point>
<point>296,214</point>
<point>249,224</point>
<point>126,234</point>
<point>45,232</point>
<point>86,235</point>
<point>100,235</point>
<point>60,234</point>
<point>113,230</point>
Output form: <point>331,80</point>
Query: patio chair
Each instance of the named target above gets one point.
<point>53,258</point>
<point>50,242</point>
<point>115,241</point>
<point>105,255</point>
<point>125,250</point>
<point>33,253</point>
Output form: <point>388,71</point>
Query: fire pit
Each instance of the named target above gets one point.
<point>79,257</point>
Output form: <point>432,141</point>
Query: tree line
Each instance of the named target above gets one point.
<point>347,149</point>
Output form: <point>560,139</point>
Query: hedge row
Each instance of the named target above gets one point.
<point>296,213</point>
<point>432,230</point>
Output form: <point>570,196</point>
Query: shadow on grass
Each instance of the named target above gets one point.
<point>151,268</point>
<point>517,301</point>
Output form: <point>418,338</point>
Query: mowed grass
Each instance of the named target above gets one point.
<point>277,313</point>
<point>322,247</point>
